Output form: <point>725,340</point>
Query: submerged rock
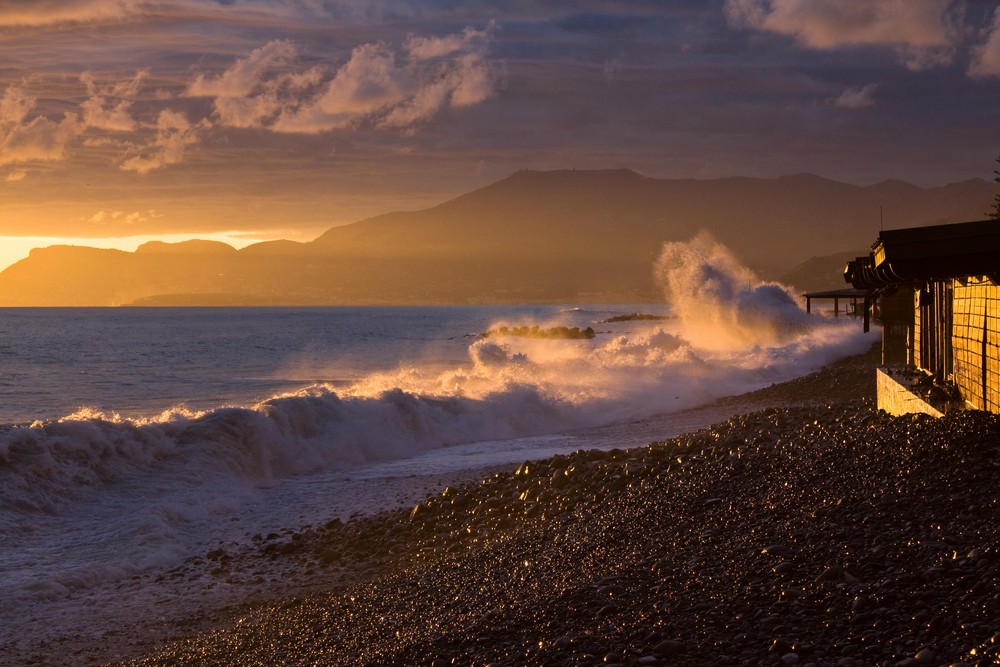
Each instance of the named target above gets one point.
<point>565,333</point>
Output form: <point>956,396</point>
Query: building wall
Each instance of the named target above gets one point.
<point>897,314</point>
<point>975,338</point>
<point>897,395</point>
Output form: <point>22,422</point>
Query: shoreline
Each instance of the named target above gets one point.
<point>415,566</point>
<point>209,590</point>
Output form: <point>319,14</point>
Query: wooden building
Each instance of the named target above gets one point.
<point>938,289</point>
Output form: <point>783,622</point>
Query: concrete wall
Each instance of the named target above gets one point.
<point>896,393</point>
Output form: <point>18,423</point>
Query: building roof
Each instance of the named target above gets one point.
<point>846,293</point>
<point>920,254</point>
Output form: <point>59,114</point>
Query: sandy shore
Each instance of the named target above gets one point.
<point>820,532</point>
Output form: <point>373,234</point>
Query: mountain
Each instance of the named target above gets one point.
<point>558,236</point>
<point>820,273</point>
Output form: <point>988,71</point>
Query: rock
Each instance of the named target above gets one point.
<point>833,573</point>
<point>779,646</point>
<point>669,648</point>
<point>790,659</point>
<point>861,603</point>
<point>783,567</point>
<point>925,657</point>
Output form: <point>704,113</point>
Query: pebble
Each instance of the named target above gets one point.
<point>669,648</point>
<point>472,584</point>
<point>783,567</point>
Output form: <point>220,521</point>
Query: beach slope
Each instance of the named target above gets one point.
<point>818,530</point>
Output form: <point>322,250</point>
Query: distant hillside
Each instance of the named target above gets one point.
<point>820,273</point>
<point>192,247</point>
<point>560,236</point>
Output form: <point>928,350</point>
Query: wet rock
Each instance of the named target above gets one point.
<point>669,648</point>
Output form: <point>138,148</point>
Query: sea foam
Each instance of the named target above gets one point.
<point>731,333</point>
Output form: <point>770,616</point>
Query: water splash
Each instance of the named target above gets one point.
<point>731,334</point>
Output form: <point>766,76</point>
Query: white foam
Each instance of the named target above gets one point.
<point>126,496</point>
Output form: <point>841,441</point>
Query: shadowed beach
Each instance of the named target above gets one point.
<point>815,530</point>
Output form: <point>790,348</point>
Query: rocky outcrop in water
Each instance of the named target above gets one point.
<point>558,333</point>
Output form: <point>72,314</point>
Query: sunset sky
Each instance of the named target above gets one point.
<point>123,120</point>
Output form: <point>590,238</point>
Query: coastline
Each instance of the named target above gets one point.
<point>790,534</point>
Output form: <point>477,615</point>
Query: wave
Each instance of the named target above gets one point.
<point>731,334</point>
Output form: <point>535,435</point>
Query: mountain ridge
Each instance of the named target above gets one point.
<point>534,236</point>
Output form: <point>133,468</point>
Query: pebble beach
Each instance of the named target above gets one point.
<point>810,529</point>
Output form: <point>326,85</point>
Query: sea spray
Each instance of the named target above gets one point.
<point>722,303</point>
<point>731,334</point>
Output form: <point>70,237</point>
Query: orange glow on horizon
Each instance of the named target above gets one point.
<point>15,248</point>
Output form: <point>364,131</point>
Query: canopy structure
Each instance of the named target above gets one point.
<point>851,295</point>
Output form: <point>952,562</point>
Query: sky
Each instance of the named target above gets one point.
<point>245,120</point>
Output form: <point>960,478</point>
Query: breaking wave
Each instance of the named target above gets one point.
<point>731,334</point>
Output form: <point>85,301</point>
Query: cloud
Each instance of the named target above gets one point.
<point>16,175</point>
<point>107,108</point>
<point>377,85</point>
<point>38,139</point>
<point>920,31</point>
<point>746,13</point>
<point>245,74</point>
<point>103,217</point>
<point>369,82</point>
<point>247,94</point>
<point>857,98</point>
<point>465,83</point>
<point>26,139</point>
<point>425,48</point>
<point>174,133</point>
<point>49,12</point>
<point>986,58</point>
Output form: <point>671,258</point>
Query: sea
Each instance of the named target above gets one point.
<point>134,439</point>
